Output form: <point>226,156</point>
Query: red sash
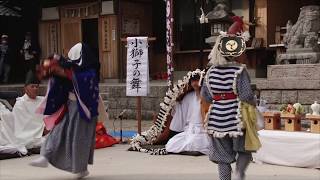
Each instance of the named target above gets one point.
<point>224,96</point>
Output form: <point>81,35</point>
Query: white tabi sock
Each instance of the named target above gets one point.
<point>40,162</point>
<point>82,174</point>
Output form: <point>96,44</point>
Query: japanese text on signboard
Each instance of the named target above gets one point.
<point>137,67</point>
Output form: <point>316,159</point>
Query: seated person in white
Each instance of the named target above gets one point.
<point>22,128</point>
<point>187,118</point>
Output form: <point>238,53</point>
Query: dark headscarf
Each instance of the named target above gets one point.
<point>194,77</point>
<point>31,78</point>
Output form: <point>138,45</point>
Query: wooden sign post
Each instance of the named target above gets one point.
<point>139,113</point>
<point>139,101</point>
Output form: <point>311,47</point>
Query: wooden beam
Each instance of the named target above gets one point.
<point>149,39</point>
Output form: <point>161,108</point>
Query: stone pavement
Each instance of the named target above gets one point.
<point>128,124</point>
<point>115,163</point>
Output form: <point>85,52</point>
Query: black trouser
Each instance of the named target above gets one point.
<point>172,133</point>
<point>30,65</point>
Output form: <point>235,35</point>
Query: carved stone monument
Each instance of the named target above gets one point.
<point>298,80</point>
<point>301,38</point>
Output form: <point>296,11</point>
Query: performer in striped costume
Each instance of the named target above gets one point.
<point>226,88</point>
<point>224,116</point>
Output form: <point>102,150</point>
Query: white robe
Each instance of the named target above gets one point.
<point>22,128</point>
<point>193,137</point>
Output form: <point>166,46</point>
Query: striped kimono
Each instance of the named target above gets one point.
<point>224,119</point>
<point>224,115</point>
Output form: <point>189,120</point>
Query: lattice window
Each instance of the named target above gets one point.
<point>83,10</point>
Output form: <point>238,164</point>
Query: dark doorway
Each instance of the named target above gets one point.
<point>90,34</point>
<point>16,28</point>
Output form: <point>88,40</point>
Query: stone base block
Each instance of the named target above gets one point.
<point>294,72</point>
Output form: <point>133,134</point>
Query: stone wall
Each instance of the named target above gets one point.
<point>285,83</point>
<point>290,84</point>
<point>115,99</point>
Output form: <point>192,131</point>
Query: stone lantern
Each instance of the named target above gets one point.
<point>219,19</point>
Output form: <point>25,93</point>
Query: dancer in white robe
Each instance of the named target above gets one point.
<point>188,115</point>
<point>22,128</point>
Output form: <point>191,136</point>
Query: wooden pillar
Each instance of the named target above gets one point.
<point>120,50</point>
<point>261,14</point>
<point>252,16</point>
<point>108,47</point>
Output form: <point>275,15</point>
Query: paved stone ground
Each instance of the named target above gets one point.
<point>128,124</point>
<point>115,163</point>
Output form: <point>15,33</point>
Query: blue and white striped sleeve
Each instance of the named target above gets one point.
<point>205,93</point>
